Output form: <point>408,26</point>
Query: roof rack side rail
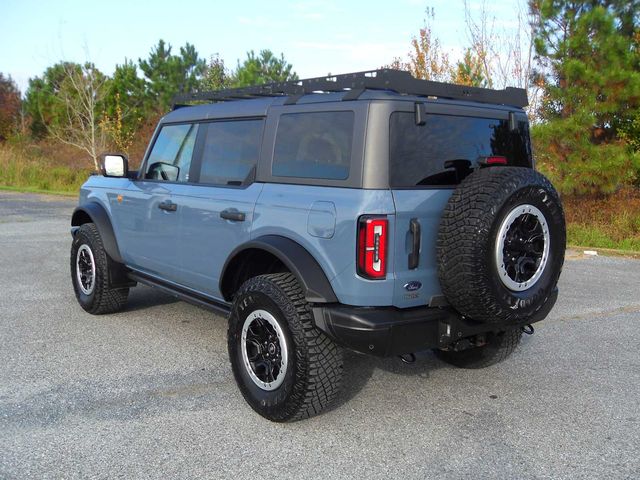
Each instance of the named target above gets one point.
<point>399,81</point>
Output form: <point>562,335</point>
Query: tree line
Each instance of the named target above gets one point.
<point>578,60</point>
<point>79,105</point>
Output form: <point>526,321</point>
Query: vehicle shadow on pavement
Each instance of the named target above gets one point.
<point>143,297</point>
<point>359,368</point>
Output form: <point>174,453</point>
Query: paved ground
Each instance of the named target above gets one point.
<point>148,393</point>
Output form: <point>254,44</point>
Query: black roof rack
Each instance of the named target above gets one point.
<point>354,84</point>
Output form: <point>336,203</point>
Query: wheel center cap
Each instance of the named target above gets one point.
<point>271,349</point>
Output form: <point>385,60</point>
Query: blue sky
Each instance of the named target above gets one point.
<point>317,37</point>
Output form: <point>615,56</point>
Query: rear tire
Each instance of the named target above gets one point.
<point>498,347</point>
<point>90,267</point>
<point>285,367</point>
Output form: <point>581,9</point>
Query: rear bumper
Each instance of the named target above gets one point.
<point>386,331</point>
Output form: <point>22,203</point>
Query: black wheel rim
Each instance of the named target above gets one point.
<point>522,249</point>
<point>85,269</point>
<point>264,350</point>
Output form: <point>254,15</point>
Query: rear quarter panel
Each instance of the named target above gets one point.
<point>292,211</point>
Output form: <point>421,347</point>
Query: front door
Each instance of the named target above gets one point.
<point>148,213</point>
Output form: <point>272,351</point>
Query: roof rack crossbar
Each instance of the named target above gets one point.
<point>399,81</point>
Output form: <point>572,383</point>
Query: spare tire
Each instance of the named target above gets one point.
<point>501,244</point>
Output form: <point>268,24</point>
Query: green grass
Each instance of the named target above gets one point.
<point>598,237</point>
<point>11,188</point>
<point>605,222</point>
<point>20,170</point>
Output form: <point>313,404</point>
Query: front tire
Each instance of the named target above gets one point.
<point>90,266</point>
<point>285,367</point>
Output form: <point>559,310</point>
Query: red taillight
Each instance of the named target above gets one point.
<point>496,160</point>
<point>372,247</point>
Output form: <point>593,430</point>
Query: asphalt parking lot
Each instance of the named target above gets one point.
<point>149,393</point>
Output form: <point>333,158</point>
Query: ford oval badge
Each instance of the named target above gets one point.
<point>412,286</point>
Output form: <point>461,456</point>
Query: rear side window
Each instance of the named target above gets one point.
<point>447,148</point>
<point>314,145</point>
<point>170,158</point>
<point>231,151</point>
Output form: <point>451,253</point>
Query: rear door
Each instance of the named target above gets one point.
<point>426,162</point>
<point>218,211</point>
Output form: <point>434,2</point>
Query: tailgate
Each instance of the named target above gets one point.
<point>416,284</point>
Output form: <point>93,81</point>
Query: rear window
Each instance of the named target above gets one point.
<point>231,151</point>
<point>314,145</point>
<point>447,148</point>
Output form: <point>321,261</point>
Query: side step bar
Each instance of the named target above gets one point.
<point>182,293</point>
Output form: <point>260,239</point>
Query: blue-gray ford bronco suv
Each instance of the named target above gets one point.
<point>371,211</point>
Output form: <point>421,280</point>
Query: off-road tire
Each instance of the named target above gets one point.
<point>314,371</point>
<point>467,239</point>
<point>102,299</point>
<point>498,347</point>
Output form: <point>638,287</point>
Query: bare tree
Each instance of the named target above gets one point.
<point>79,100</point>
<point>481,33</point>
<point>507,53</point>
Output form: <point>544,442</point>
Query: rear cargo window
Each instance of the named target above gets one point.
<point>314,145</point>
<point>447,148</point>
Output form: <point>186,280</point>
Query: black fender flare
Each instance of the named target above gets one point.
<point>314,282</point>
<point>100,217</point>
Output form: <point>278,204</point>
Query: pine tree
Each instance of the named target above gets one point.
<point>10,104</point>
<point>40,99</point>
<point>126,105</point>
<point>168,74</point>
<point>590,65</point>
<point>262,68</point>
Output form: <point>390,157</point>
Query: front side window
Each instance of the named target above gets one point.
<point>314,145</point>
<point>231,151</point>
<point>170,158</point>
<point>447,148</point>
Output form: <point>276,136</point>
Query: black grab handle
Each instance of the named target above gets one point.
<point>414,256</point>
<point>169,206</point>
<point>232,215</point>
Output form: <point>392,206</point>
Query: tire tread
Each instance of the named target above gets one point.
<point>463,244</point>
<point>319,360</point>
<point>105,299</point>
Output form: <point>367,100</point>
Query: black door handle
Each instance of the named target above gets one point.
<point>414,256</point>
<point>233,215</point>
<point>168,205</point>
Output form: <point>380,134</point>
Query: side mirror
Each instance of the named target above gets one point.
<point>114,165</point>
